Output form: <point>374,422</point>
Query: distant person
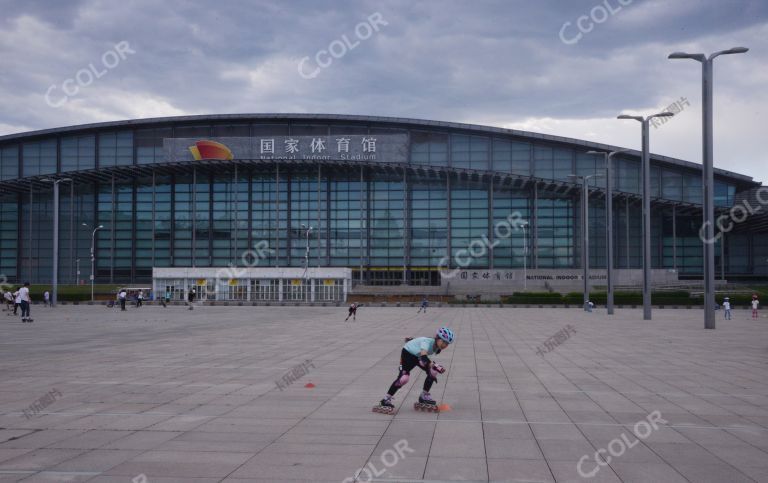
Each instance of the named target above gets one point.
<point>727,308</point>
<point>424,304</point>
<point>755,305</point>
<point>191,298</point>
<point>140,299</point>
<point>121,297</point>
<point>590,305</point>
<point>167,296</point>
<point>25,302</point>
<point>16,301</point>
<point>47,299</point>
<point>8,300</point>
<point>352,312</point>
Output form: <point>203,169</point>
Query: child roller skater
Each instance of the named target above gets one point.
<point>414,353</point>
<point>755,306</point>
<point>352,312</point>
<point>424,304</point>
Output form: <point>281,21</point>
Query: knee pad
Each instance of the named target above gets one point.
<point>403,380</point>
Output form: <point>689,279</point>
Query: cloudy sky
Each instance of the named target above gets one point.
<point>509,63</point>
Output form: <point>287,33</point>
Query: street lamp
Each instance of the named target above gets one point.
<point>93,253</point>
<point>609,221</point>
<point>708,183</point>
<point>308,230</point>
<point>55,288</point>
<point>646,168</point>
<point>585,231</point>
<point>525,256</point>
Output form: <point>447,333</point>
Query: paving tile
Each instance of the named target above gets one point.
<point>441,468</point>
<point>519,470</point>
<point>190,396</point>
<point>705,473</point>
<point>568,472</point>
<point>193,464</point>
<point>39,459</point>
<point>630,472</point>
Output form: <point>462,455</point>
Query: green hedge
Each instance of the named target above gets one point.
<point>601,298</point>
<point>543,298</point>
<point>70,293</point>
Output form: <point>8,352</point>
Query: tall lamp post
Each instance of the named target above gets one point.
<point>708,183</point>
<point>307,230</point>
<point>93,253</point>
<point>646,168</point>
<point>55,283</point>
<point>585,230</point>
<point>525,255</point>
<point>609,221</point>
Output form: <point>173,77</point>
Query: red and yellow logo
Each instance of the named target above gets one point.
<point>210,150</point>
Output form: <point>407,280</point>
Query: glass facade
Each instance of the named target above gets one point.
<point>396,225</point>
<point>9,162</point>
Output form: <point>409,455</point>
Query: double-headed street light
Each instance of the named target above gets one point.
<point>93,253</point>
<point>646,168</point>
<point>708,183</point>
<point>585,231</point>
<point>609,221</point>
<point>55,288</point>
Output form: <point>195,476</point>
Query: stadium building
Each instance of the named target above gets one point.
<point>392,201</point>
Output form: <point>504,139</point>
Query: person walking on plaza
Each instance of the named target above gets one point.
<point>191,297</point>
<point>16,301</point>
<point>47,299</point>
<point>140,299</point>
<point>25,301</point>
<point>121,296</point>
<point>727,308</point>
<point>755,305</point>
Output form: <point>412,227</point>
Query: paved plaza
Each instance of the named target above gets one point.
<point>171,395</point>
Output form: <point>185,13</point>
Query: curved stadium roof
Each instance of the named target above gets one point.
<point>379,121</point>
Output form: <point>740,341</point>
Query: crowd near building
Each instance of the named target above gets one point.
<point>393,201</point>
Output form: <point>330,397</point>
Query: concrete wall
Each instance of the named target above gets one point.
<point>505,282</point>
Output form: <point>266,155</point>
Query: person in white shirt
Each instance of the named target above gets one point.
<point>25,302</point>
<point>47,299</point>
<point>727,308</point>
<point>139,299</point>
<point>755,305</point>
<point>8,300</point>
<point>16,301</point>
<point>122,295</point>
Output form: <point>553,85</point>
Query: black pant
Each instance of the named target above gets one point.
<point>24,309</point>
<point>15,308</point>
<point>138,303</point>
<point>122,304</point>
<point>407,362</point>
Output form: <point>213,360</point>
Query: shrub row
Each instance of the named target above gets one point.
<point>601,298</point>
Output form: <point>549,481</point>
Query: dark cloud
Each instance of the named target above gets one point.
<point>493,61</point>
